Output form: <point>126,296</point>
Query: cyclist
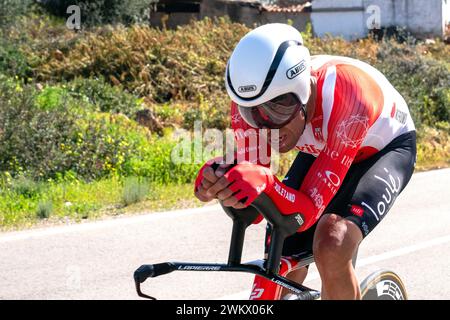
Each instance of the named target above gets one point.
<point>356,143</point>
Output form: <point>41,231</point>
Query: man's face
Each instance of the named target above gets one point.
<point>290,133</point>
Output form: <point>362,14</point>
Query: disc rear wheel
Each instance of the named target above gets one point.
<point>383,285</point>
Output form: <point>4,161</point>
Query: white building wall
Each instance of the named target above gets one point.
<point>325,4</point>
<point>348,18</point>
<point>338,18</point>
<point>387,12</point>
<point>446,11</point>
<point>425,17</point>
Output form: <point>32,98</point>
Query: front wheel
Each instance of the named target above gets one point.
<point>383,285</point>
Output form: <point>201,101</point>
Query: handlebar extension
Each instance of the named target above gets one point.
<point>152,270</point>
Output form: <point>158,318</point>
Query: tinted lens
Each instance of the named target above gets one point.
<point>273,114</point>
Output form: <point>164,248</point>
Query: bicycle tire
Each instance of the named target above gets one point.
<point>383,285</point>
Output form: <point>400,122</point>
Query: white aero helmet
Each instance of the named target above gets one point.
<point>268,64</point>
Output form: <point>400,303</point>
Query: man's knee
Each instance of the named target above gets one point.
<point>335,242</point>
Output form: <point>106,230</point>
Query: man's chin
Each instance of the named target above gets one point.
<point>285,149</point>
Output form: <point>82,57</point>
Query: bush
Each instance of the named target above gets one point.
<point>213,113</point>
<point>104,97</point>
<point>422,81</point>
<point>153,160</point>
<point>11,9</point>
<point>26,187</point>
<point>46,134</point>
<point>161,65</point>
<point>134,190</point>
<point>44,209</point>
<point>95,12</point>
<point>13,61</point>
<point>30,136</point>
<point>186,67</point>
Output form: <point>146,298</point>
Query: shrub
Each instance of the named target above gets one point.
<point>30,136</point>
<point>11,9</point>
<point>134,190</point>
<point>213,113</point>
<point>162,65</point>
<point>44,209</point>
<point>50,98</point>
<point>13,61</point>
<point>153,160</point>
<point>94,12</point>
<point>26,187</point>
<point>422,81</point>
<point>46,134</point>
<point>186,67</point>
<point>104,97</point>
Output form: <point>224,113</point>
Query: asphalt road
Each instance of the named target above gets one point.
<point>96,260</point>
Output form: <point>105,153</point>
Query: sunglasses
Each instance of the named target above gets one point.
<point>273,114</point>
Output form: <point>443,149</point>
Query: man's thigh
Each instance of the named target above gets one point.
<point>372,186</point>
<point>367,193</point>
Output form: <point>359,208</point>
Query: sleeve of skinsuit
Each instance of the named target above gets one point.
<point>357,103</point>
<point>251,143</point>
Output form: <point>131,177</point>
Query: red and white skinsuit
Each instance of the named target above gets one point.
<point>357,113</point>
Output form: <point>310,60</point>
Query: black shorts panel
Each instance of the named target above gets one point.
<point>367,193</point>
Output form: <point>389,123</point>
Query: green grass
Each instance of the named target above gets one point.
<point>54,202</point>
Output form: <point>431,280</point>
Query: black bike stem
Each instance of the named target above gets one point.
<point>242,219</point>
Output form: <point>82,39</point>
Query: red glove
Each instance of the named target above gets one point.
<point>250,180</point>
<point>199,179</point>
<point>209,163</point>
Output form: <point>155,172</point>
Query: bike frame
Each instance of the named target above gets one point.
<point>270,273</point>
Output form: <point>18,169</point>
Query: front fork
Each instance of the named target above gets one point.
<point>265,289</point>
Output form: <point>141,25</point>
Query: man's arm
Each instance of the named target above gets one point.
<point>355,109</point>
<point>358,102</point>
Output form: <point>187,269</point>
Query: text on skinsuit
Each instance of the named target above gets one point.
<point>317,199</point>
<point>284,193</point>
<point>331,180</point>
<point>392,189</point>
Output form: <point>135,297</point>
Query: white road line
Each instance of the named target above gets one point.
<point>361,262</point>
<point>88,226</point>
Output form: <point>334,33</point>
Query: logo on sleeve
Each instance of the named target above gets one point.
<point>347,128</point>
<point>330,179</point>
<point>398,115</point>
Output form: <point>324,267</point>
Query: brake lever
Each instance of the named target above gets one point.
<point>140,293</point>
<point>140,275</point>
